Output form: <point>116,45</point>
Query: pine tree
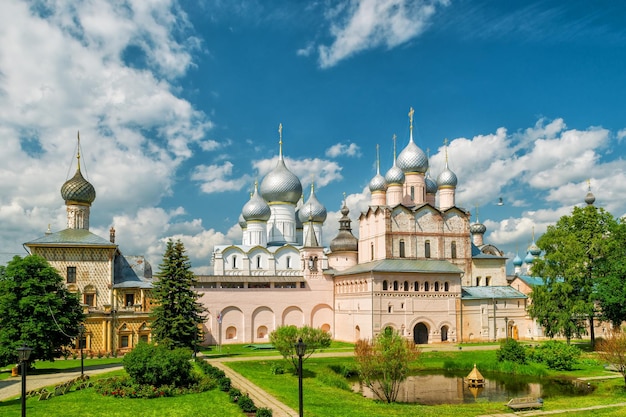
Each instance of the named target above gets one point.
<point>178,315</point>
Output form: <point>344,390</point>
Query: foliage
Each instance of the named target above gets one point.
<point>513,351</point>
<point>334,380</point>
<point>178,314</point>
<point>36,309</point>
<point>264,412</point>
<point>384,362</point>
<point>344,370</point>
<point>613,351</point>
<point>234,394</point>
<point>125,387</point>
<point>159,365</point>
<point>224,384</point>
<point>575,254</point>
<point>277,368</point>
<point>556,355</point>
<point>284,339</point>
<point>246,404</point>
<point>610,285</point>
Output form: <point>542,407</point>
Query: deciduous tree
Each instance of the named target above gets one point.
<point>178,314</point>
<point>36,309</point>
<point>384,362</point>
<point>284,339</point>
<point>613,351</point>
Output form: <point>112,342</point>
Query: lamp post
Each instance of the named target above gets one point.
<point>23,354</point>
<point>81,335</point>
<point>300,350</point>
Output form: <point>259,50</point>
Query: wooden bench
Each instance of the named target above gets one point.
<point>524,403</point>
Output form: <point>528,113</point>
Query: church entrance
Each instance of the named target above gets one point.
<point>420,334</point>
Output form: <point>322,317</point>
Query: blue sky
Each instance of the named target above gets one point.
<point>178,105</point>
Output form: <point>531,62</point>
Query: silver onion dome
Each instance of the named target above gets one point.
<point>378,183</point>
<point>312,210</point>
<point>447,178</point>
<point>242,222</point>
<point>256,209</point>
<point>281,185</point>
<point>394,175</point>
<point>412,158</point>
<point>345,241</point>
<point>431,186</point>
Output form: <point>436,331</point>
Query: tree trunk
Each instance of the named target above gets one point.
<point>592,332</point>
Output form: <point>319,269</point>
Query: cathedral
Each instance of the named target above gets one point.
<point>419,265</point>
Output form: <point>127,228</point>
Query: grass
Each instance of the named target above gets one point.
<point>326,397</point>
<point>60,365</point>
<point>244,350</point>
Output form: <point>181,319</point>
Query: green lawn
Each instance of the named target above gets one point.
<point>247,350</point>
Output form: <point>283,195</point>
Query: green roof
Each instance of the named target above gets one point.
<point>72,237</point>
<point>479,293</point>
<point>403,265</point>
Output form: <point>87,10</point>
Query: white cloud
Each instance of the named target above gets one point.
<point>214,178</point>
<point>366,24</point>
<point>341,149</point>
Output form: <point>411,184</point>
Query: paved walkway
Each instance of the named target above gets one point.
<point>12,387</point>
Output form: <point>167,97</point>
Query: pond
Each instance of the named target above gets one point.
<point>431,388</point>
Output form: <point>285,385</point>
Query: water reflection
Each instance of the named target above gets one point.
<point>432,389</point>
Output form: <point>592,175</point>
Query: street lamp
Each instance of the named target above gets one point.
<point>81,335</point>
<point>300,350</point>
<point>23,353</point>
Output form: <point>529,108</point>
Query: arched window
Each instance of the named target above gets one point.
<point>395,285</point>
<point>453,250</point>
<point>426,286</point>
<point>234,261</point>
<point>385,285</point>
<point>412,193</point>
<point>288,262</point>
<point>258,262</point>
<point>402,254</point>
<point>427,249</point>
<point>231,332</point>
<point>406,285</point>
<point>436,286</point>
<point>416,286</point>
<point>372,251</point>
<point>446,286</point>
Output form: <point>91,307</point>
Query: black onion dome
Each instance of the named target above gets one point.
<point>78,190</point>
<point>345,241</point>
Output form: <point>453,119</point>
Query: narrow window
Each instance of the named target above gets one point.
<point>130,300</point>
<point>453,250</point>
<point>436,286</point>
<point>412,193</point>
<point>487,281</point>
<point>427,249</point>
<point>416,286</point>
<point>395,285</point>
<point>372,251</point>
<point>426,286</point>
<point>124,341</point>
<point>406,285</point>
<point>402,255</point>
<point>258,262</point>
<point>388,309</point>
<point>478,281</point>
<point>234,261</point>
<point>288,262</point>
<point>90,299</point>
<point>71,275</point>
<point>385,285</point>
<point>446,287</point>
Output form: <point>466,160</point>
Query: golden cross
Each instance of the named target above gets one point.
<point>411,111</point>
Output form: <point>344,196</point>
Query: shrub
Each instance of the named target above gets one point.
<point>264,412</point>
<point>224,384</point>
<point>277,368</point>
<point>246,404</point>
<point>234,394</point>
<point>344,370</point>
<point>511,350</point>
<point>158,365</point>
<point>557,355</point>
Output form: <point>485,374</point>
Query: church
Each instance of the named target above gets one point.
<point>419,265</point>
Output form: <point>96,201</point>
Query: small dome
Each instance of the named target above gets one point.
<point>312,210</point>
<point>431,186</point>
<point>242,222</point>
<point>590,198</point>
<point>517,261</point>
<point>447,178</point>
<point>534,250</point>
<point>478,228</point>
<point>394,175</point>
<point>256,209</point>
<point>378,183</point>
<point>78,190</point>
<point>281,185</point>
<point>412,158</point>
<point>345,241</point>
<point>529,259</point>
